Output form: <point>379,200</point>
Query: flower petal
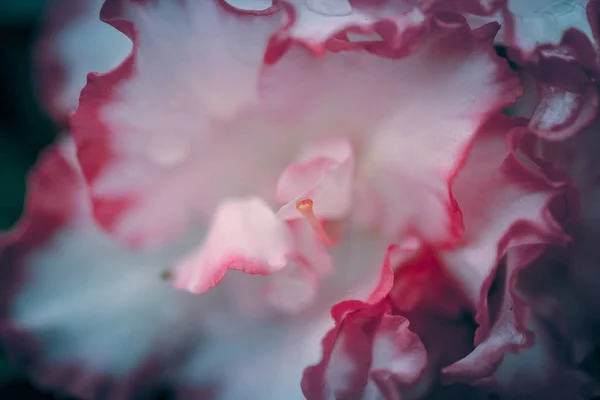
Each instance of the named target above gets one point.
<point>527,25</point>
<point>179,145</point>
<point>74,294</point>
<point>560,82</point>
<point>186,159</point>
<point>86,315</point>
<point>321,25</point>
<point>575,267</point>
<point>368,354</point>
<point>509,331</point>
<point>542,370</point>
<point>323,174</point>
<point>530,24</point>
<point>524,353</point>
<point>504,204</point>
<point>398,356</point>
<point>75,42</point>
<point>246,235</point>
<point>368,351</point>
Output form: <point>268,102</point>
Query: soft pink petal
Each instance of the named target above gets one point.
<point>420,286</point>
<point>398,356</point>
<point>347,354</point>
<point>561,97</point>
<point>576,267</point>
<point>525,355</point>
<point>504,204</point>
<point>176,148</point>
<point>372,354</point>
<point>83,314</point>
<point>321,25</point>
<point>310,249</point>
<point>291,290</point>
<point>324,174</point>
<point>240,124</point>
<point>75,42</point>
<point>543,21</point>
<point>528,24</point>
<point>542,370</point>
<point>246,235</point>
<point>509,331</point>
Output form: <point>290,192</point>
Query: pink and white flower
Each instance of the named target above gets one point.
<point>302,199</point>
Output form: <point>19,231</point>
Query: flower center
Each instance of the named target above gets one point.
<point>305,207</point>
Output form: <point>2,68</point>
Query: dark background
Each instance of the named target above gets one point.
<point>24,130</point>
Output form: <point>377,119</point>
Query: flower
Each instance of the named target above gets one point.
<point>295,199</point>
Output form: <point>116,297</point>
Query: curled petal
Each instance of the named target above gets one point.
<point>368,354</point>
<point>245,234</point>
<point>188,152</point>
<point>167,157</point>
<point>542,22</point>
<point>570,277</point>
<point>562,97</point>
<point>509,332</point>
<point>527,25</point>
<point>63,279</point>
<point>324,174</point>
<point>399,357</point>
<point>75,42</point>
<point>545,367</point>
<point>421,286</point>
<point>338,25</point>
<point>505,203</point>
<point>291,290</point>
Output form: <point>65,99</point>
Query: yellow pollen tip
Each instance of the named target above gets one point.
<point>305,207</point>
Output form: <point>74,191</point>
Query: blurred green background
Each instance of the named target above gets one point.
<point>24,130</point>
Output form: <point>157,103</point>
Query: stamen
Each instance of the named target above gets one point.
<point>306,209</point>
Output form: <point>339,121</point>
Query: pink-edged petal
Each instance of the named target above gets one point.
<point>427,209</point>
<point>576,267</point>
<point>292,290</point>
<point>561,97</point>
<point>343,370</point>
<point>420,286</point>
<point>399,357</point>
<point>178,145</point>
<point>76,298</point>
<point>369,352</point>
<point>309,248</point>
<point>277,367</point>
<point>245,235</point>
<point>235,137</point>
<point>562,114</point>
<point>509,331</point>
<point>544,370</point>
<point>92,318</point>
<point>324,174</point>
<point>536,22</point>
<point>74,42</point>
<point>529,24</point>
<point>85,314</point>
<point>504,204</point>
<point>525,353</point>
<point>321,25</point>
